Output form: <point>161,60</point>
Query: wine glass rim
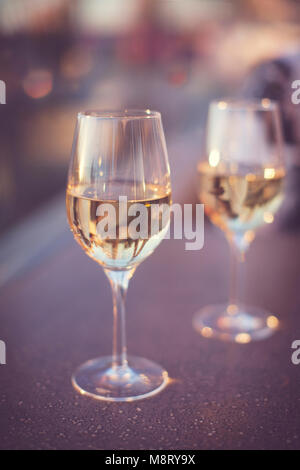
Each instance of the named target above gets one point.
<point>119,114</point>
<point>265,104</point>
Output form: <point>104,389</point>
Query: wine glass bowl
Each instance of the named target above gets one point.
<point>118,177</point>
<point>240,183</point>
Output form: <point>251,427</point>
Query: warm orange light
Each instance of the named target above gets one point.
<point>232,309</point>
<point>268,217</point>
<point>243,338</point>
<point>38,83</point>
<point>269,173</point>
<point>272,321</point>
<point>222,105</point>
<point>265,102</point>
<point>250,177</point>
<point>249,236</point>
<point>206,332</point>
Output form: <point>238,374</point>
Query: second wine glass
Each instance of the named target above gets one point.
<point>240,183</point>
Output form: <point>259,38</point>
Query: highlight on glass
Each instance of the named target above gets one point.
<point>118,154</point>
<point>240,181</point>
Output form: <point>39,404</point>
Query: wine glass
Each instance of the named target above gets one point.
<point>118,169</point>
<point>241,185</point>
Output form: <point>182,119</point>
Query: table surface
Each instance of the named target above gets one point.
<point>56,314</point>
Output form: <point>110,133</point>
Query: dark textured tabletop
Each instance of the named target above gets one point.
<point>57,314</point>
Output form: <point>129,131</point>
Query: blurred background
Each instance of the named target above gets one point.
<point>61,56</point>
<point>58,57</point>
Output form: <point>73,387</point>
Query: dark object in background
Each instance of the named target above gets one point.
<point>274,80</point>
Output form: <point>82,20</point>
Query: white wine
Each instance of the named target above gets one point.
<point>120,252</point>
<point>240,202</point>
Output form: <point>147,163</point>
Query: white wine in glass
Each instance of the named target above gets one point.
<point>241,186</point>
<point>119,160</point>
<point>119,252</point>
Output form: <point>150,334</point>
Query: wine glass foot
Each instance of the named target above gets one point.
<point>139,379</point>
<point>241,324</point>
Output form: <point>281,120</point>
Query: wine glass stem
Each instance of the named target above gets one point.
<point>119,327</point>
<point>237,262</point>
<point>119,284</point>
